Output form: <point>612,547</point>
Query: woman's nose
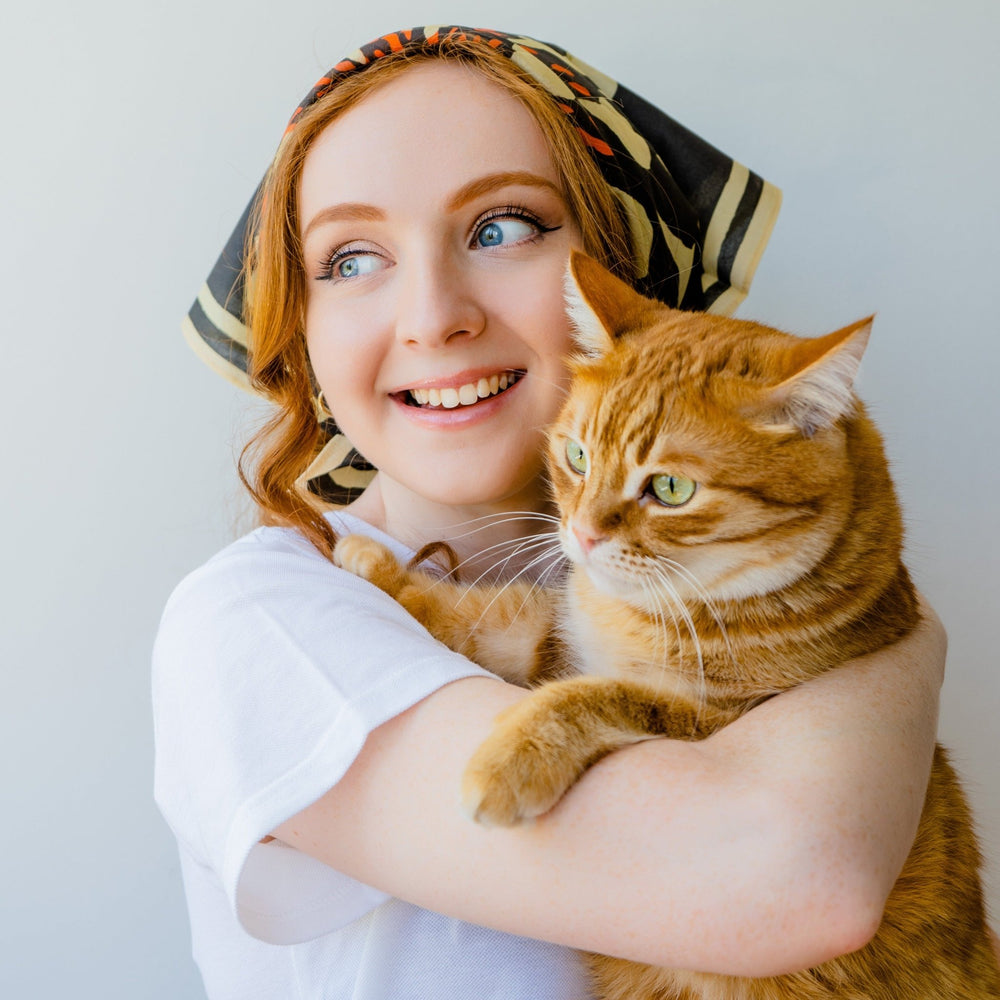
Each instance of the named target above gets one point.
<point>437,303</point>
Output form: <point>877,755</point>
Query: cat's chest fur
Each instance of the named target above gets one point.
<point>609,638</point>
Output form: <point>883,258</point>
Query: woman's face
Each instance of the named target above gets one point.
<point>435,241</point>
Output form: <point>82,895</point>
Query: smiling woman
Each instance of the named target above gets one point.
<point>406,257</point>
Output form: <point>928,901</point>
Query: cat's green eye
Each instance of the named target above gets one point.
<point>576,457</point>
<point>672,491</point>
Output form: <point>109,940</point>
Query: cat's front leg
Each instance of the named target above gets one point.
<point>505,628</point>
<point>543,745</point>
<point>374,562</point>
<point>424,596</point>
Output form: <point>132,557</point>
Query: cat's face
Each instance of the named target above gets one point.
<point>681,461</point>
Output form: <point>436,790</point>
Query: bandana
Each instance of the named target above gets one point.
<point>699,221</point>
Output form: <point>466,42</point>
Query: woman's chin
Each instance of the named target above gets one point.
<point>450,483</point>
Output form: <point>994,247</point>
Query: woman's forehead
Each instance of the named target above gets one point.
<point>429,131</point>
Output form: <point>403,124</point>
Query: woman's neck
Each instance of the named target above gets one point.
<point>492,540</point>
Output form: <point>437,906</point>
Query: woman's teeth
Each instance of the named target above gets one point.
<point>464,395</point>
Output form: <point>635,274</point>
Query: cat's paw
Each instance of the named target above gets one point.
<point>372,561</point>
<point>520,771</point>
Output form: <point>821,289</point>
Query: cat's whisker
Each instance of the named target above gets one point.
<point>515,545</point>
<point>518,547</point>
<point>656,599</point>
<point>557,565</point>
<point>666,594</point>
<point>496,520</point>
<point>510,518</point>
<point>507,517</point>
<point>702,592</point>
<point>547,549</point>
<point>553,551</point>
<point>464,562</point>
<point>689,623</point>
<point>556,559</point>
<point>673,598</point>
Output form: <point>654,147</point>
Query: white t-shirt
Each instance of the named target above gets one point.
<point>270,668</point>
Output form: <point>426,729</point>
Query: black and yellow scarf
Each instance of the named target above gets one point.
<point>699,220</point>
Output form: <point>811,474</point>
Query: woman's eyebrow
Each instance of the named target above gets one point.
<point>361,212</point>
<point>347,212</point>
<point>506,178</point>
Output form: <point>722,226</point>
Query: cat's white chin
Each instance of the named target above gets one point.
<point>612,584</point>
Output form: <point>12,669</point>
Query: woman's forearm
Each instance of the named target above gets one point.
<point>770,846</point>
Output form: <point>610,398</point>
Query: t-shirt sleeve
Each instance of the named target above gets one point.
<point>270,668</point>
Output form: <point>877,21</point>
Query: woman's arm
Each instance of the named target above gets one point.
<point>769,847</point>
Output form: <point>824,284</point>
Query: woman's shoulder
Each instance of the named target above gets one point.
<point>270,560</point>
<point>271,596</point>
<point>269,618</point>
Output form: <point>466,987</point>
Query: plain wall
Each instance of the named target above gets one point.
<point>133,136</point>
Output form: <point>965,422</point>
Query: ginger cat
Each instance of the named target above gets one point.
<point>733,531</point>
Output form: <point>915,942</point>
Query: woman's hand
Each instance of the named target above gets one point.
<point>769,847</point>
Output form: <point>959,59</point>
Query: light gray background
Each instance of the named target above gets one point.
<point>133,135</point>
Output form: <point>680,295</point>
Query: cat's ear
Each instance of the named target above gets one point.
<point>818,388</point>
<point>601,307</point>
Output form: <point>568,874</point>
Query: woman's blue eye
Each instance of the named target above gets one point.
<point>500,231</point>
<point>351,267</point>
<point>359,264</point>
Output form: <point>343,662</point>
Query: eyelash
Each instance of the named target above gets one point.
<point>331,260</point>
<point>511,212</point>
<point>328,263</point>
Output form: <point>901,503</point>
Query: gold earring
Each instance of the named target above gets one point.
<point>321,406</point>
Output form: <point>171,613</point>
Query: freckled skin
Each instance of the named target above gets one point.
<point>786,562</point>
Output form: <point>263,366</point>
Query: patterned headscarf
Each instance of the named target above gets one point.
<point>698,220</point>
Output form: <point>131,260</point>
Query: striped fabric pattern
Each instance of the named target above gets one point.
<point>699,220</point>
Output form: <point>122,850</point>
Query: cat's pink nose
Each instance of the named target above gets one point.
<point>586,537</point>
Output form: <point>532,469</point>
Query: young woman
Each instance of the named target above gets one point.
<point>404,294</point>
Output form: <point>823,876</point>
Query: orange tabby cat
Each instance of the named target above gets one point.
<point>733,531</point>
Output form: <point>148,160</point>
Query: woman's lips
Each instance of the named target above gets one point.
<point>467,394</point>
<point>460,402</point>
<point>466,389</point>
